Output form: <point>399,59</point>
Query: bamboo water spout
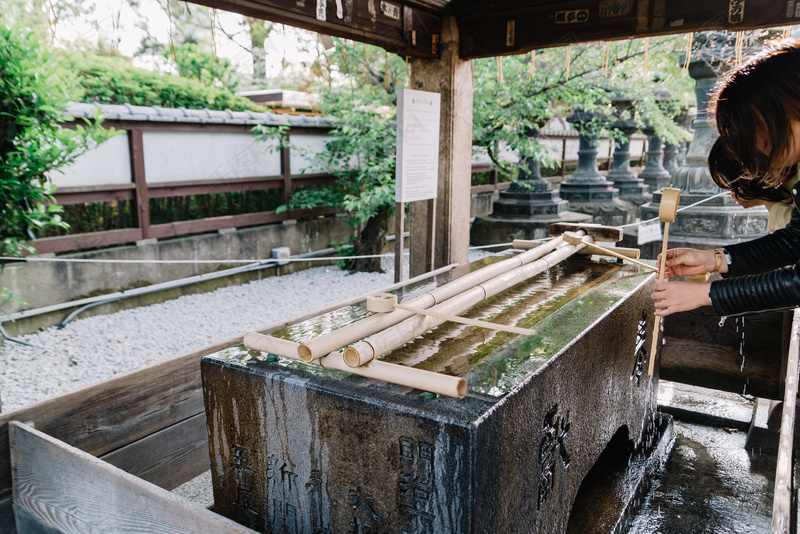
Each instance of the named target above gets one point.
<point>371,347</point>
<point>451,386</point>
<point>667,212</point>
<point>327,343</point>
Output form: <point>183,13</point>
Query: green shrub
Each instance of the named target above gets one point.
<point>34,89</point>
<point>114,80</point>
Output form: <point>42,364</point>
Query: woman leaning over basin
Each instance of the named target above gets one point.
<point>757,108</point>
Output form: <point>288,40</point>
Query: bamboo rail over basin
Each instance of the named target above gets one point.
<point>327,343</point>
<point>381,342</point>
<point>451,386</point>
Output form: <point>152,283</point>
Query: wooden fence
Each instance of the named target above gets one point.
<point>139,191</point>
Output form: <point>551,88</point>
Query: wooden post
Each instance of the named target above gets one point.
<point>399,230</point>
<point>452,78</point>
<point>286,174</point>
<point>782,500</point>
<point>141,200</point>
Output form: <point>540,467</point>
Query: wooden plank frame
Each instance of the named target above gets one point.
<point>71,491</point>
<point>150,422</point>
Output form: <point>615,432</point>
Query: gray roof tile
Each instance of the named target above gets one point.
<point>129,112</point>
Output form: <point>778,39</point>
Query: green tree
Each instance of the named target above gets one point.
<point>34,91</point>
<point>361,152</point>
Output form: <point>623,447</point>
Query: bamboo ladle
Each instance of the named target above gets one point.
<point>667,212</point>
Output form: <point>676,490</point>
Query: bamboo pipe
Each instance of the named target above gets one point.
<point>591,249</point>
<point>667,212</point>
<point>333,341</point>
<point>451,386</point>
<point>574,239</point>
<point>373,346</point>
<point>273,345</point>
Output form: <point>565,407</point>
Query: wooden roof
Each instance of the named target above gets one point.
<point>504,27</point>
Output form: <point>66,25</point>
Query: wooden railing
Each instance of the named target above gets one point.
<point>139,191</point>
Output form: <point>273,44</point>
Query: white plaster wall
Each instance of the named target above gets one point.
<point>301,156</point>
<point>185,156</point>
<point>106,164</point>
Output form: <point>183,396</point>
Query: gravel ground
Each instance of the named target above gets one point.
<point>90,350</point>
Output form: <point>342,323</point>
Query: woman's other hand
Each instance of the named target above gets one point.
<point>674,297</point>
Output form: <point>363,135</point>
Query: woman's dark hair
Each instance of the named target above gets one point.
<point>759,100</point>
<point>728,173</point>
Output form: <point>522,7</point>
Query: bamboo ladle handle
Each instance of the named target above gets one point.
<point>667,212</point>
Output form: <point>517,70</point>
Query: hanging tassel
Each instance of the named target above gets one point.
<point>213,38</point>
<point>408,74</point>
<point>646,53</point>
<point>787,32</point>
<point>606,58</point>
<point>386,75</point>
<point>500,69</point>
<point>737,48</point>
<point>533,64</point>
<point>569,58</point>
<point>171,44</point>
<point>688,52</point>
<point>344,45</point>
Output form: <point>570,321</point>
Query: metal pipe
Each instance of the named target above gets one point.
<point>91,302</point>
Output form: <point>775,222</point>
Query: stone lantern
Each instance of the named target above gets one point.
<point>526,209</point>
<point>587,190</point>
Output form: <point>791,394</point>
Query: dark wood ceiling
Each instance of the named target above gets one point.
<point>504,27</point>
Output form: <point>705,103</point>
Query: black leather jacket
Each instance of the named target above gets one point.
<point>764,274</point>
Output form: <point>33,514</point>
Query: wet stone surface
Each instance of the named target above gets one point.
<point>710,483</point>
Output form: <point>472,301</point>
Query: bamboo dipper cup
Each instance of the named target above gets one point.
<point>667,211</point>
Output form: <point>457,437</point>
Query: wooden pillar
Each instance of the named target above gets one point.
<point>452,78</point>
<point>140,208</point>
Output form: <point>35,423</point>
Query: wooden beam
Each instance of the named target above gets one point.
<point>81,241</point>
<point>169,457</point>
<point>405,30</point>
<point>232,221</point>
<point>495,29</point>
<point>71,491</point>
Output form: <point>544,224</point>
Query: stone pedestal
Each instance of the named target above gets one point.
<point>631,187</point>
<point>525,210</point>
<point>654,174</point>
<point>670,157</point>
<point>588,191</point>
<point>303,449</point>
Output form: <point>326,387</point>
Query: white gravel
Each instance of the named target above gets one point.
<point>93,349</point>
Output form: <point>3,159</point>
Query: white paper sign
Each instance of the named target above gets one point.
<point>649,233</point>
<point>417,145</point>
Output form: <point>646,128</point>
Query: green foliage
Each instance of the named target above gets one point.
<point>514,96</point>
<point>361,151</point>
<point>113,80</point>
<point>34,89</point>
<point>194,63</point>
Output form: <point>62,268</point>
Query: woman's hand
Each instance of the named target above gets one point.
<point>690,261</point>
<point>674,297</point>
